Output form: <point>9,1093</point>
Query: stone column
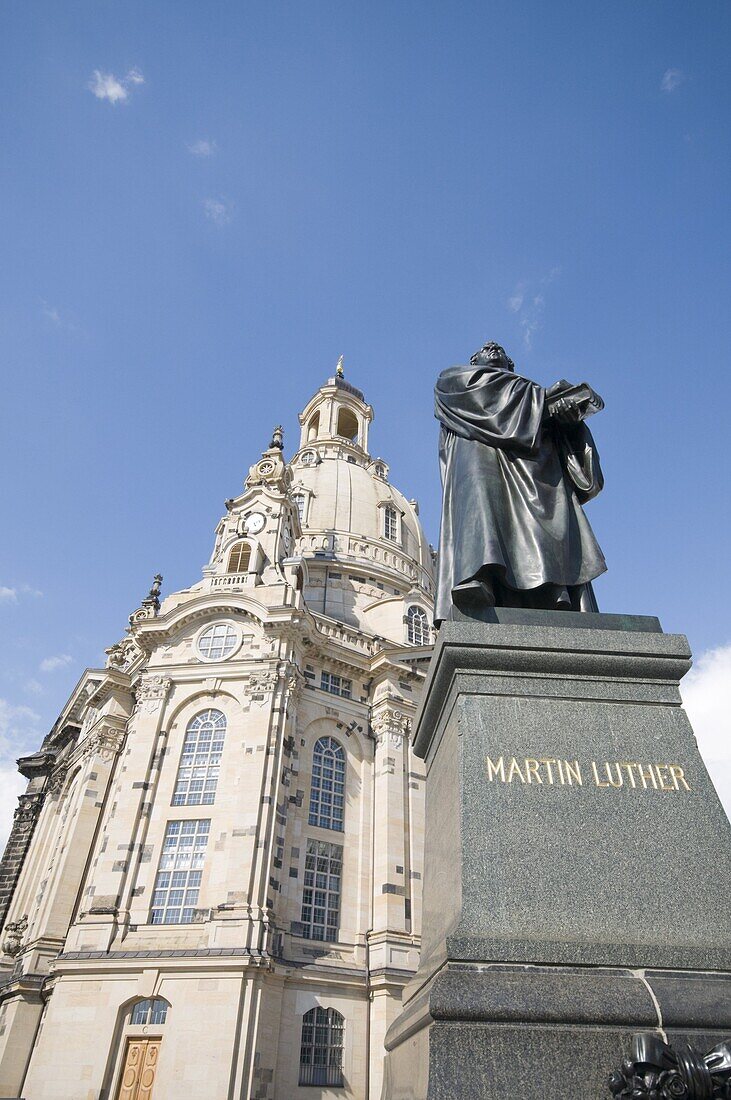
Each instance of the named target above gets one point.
<point>577,862</point>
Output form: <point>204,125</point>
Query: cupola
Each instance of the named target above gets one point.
<point>337,412</point>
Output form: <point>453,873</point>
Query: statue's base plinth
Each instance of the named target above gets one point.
<point>577,862</point>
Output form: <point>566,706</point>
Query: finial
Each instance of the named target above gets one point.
<point>153,598</point>
<point>340,373</point>
<point>277,442</point>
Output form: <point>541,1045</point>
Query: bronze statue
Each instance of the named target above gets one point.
<point>517,463</point>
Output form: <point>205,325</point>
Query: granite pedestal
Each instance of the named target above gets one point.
<point>578,862</point>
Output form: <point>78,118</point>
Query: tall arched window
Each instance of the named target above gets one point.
<point>347,425</point>
<point>313,427</point>
<point>200,759</point>
<point>417,626</point>
<point>321,1052</point>
<point>239,558</point>
<point>299,503</point>
<point>327,793</point>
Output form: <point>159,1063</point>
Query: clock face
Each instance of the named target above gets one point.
<point>254,523</point>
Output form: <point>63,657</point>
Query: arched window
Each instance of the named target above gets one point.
<point>313,427</point>
<point>327,794</point>
<point>347,425</point>
<point>299,503</point>
<point>151,1011</point>
<point>417,626</point>
<point>239,558</point>
<point>390,523</point>
<point>321,1052</point>
<point>200,759</point>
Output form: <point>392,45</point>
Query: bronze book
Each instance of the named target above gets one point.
<point>583,396</point>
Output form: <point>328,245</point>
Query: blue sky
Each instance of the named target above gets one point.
<point>203,206</point>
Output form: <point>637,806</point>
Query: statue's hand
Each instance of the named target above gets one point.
<point>565,411</point>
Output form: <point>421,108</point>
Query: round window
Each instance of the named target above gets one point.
<point>218,642</point>
<point>308,458</point>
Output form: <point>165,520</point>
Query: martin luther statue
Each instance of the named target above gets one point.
<point>517,463</point>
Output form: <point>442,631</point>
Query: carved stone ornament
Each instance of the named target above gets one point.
<point>122,654</point>
<point>14,933</point>
<point>657,1071</point>
<point>57,780</point>
<point>26,812</point>
<point>264,681</point>
<point>390,727</point>
<point>104,743</point>
<point>151,692</point>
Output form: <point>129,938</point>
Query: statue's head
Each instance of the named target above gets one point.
<point>492,354</point>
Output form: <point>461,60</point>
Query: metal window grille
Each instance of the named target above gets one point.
<point>321,893</point>
<point>218,641</point>
<point>238,559</point>
<point>150,1011</point>
<point>390,524</point>
<point>321,1052</point>
<point>336,685</point>
<point>417,626</point>
<point>175,896</point>
<point>327,793</point>
<point>200,760</point>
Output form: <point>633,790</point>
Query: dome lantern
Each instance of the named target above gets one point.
<point>338,411</point>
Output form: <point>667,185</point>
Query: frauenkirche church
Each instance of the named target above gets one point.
<point>212,887</point>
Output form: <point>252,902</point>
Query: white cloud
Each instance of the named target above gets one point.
<point>19,734</point>
<point>12,784</point>
<point>672,79</point>
<point>707,699</point>
<point>218,210</point>
<point>202,148</point>
<point>33,687</point>
<point>19,729</point>
<point>52,314</point>
<point>552,274</point>
<point>529,304</point>
<point>515,301</point>
<point>50,664</point>
<point>11,595</point>
<point>107,86</point>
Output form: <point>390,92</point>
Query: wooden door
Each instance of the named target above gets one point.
<point>140,1066</point>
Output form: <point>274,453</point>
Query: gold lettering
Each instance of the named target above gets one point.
<point>608,768</point>
<point>678,776</point>
<point>629,768</point>
<point>646,773</point>
<point>573,772</point>
<point>660,768</point>
<point>495,769</point>
<point>560,772</point>
<point>531,768</point>
<point>597,780</point>
<point>514,767</point>
<point>548,760</point>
